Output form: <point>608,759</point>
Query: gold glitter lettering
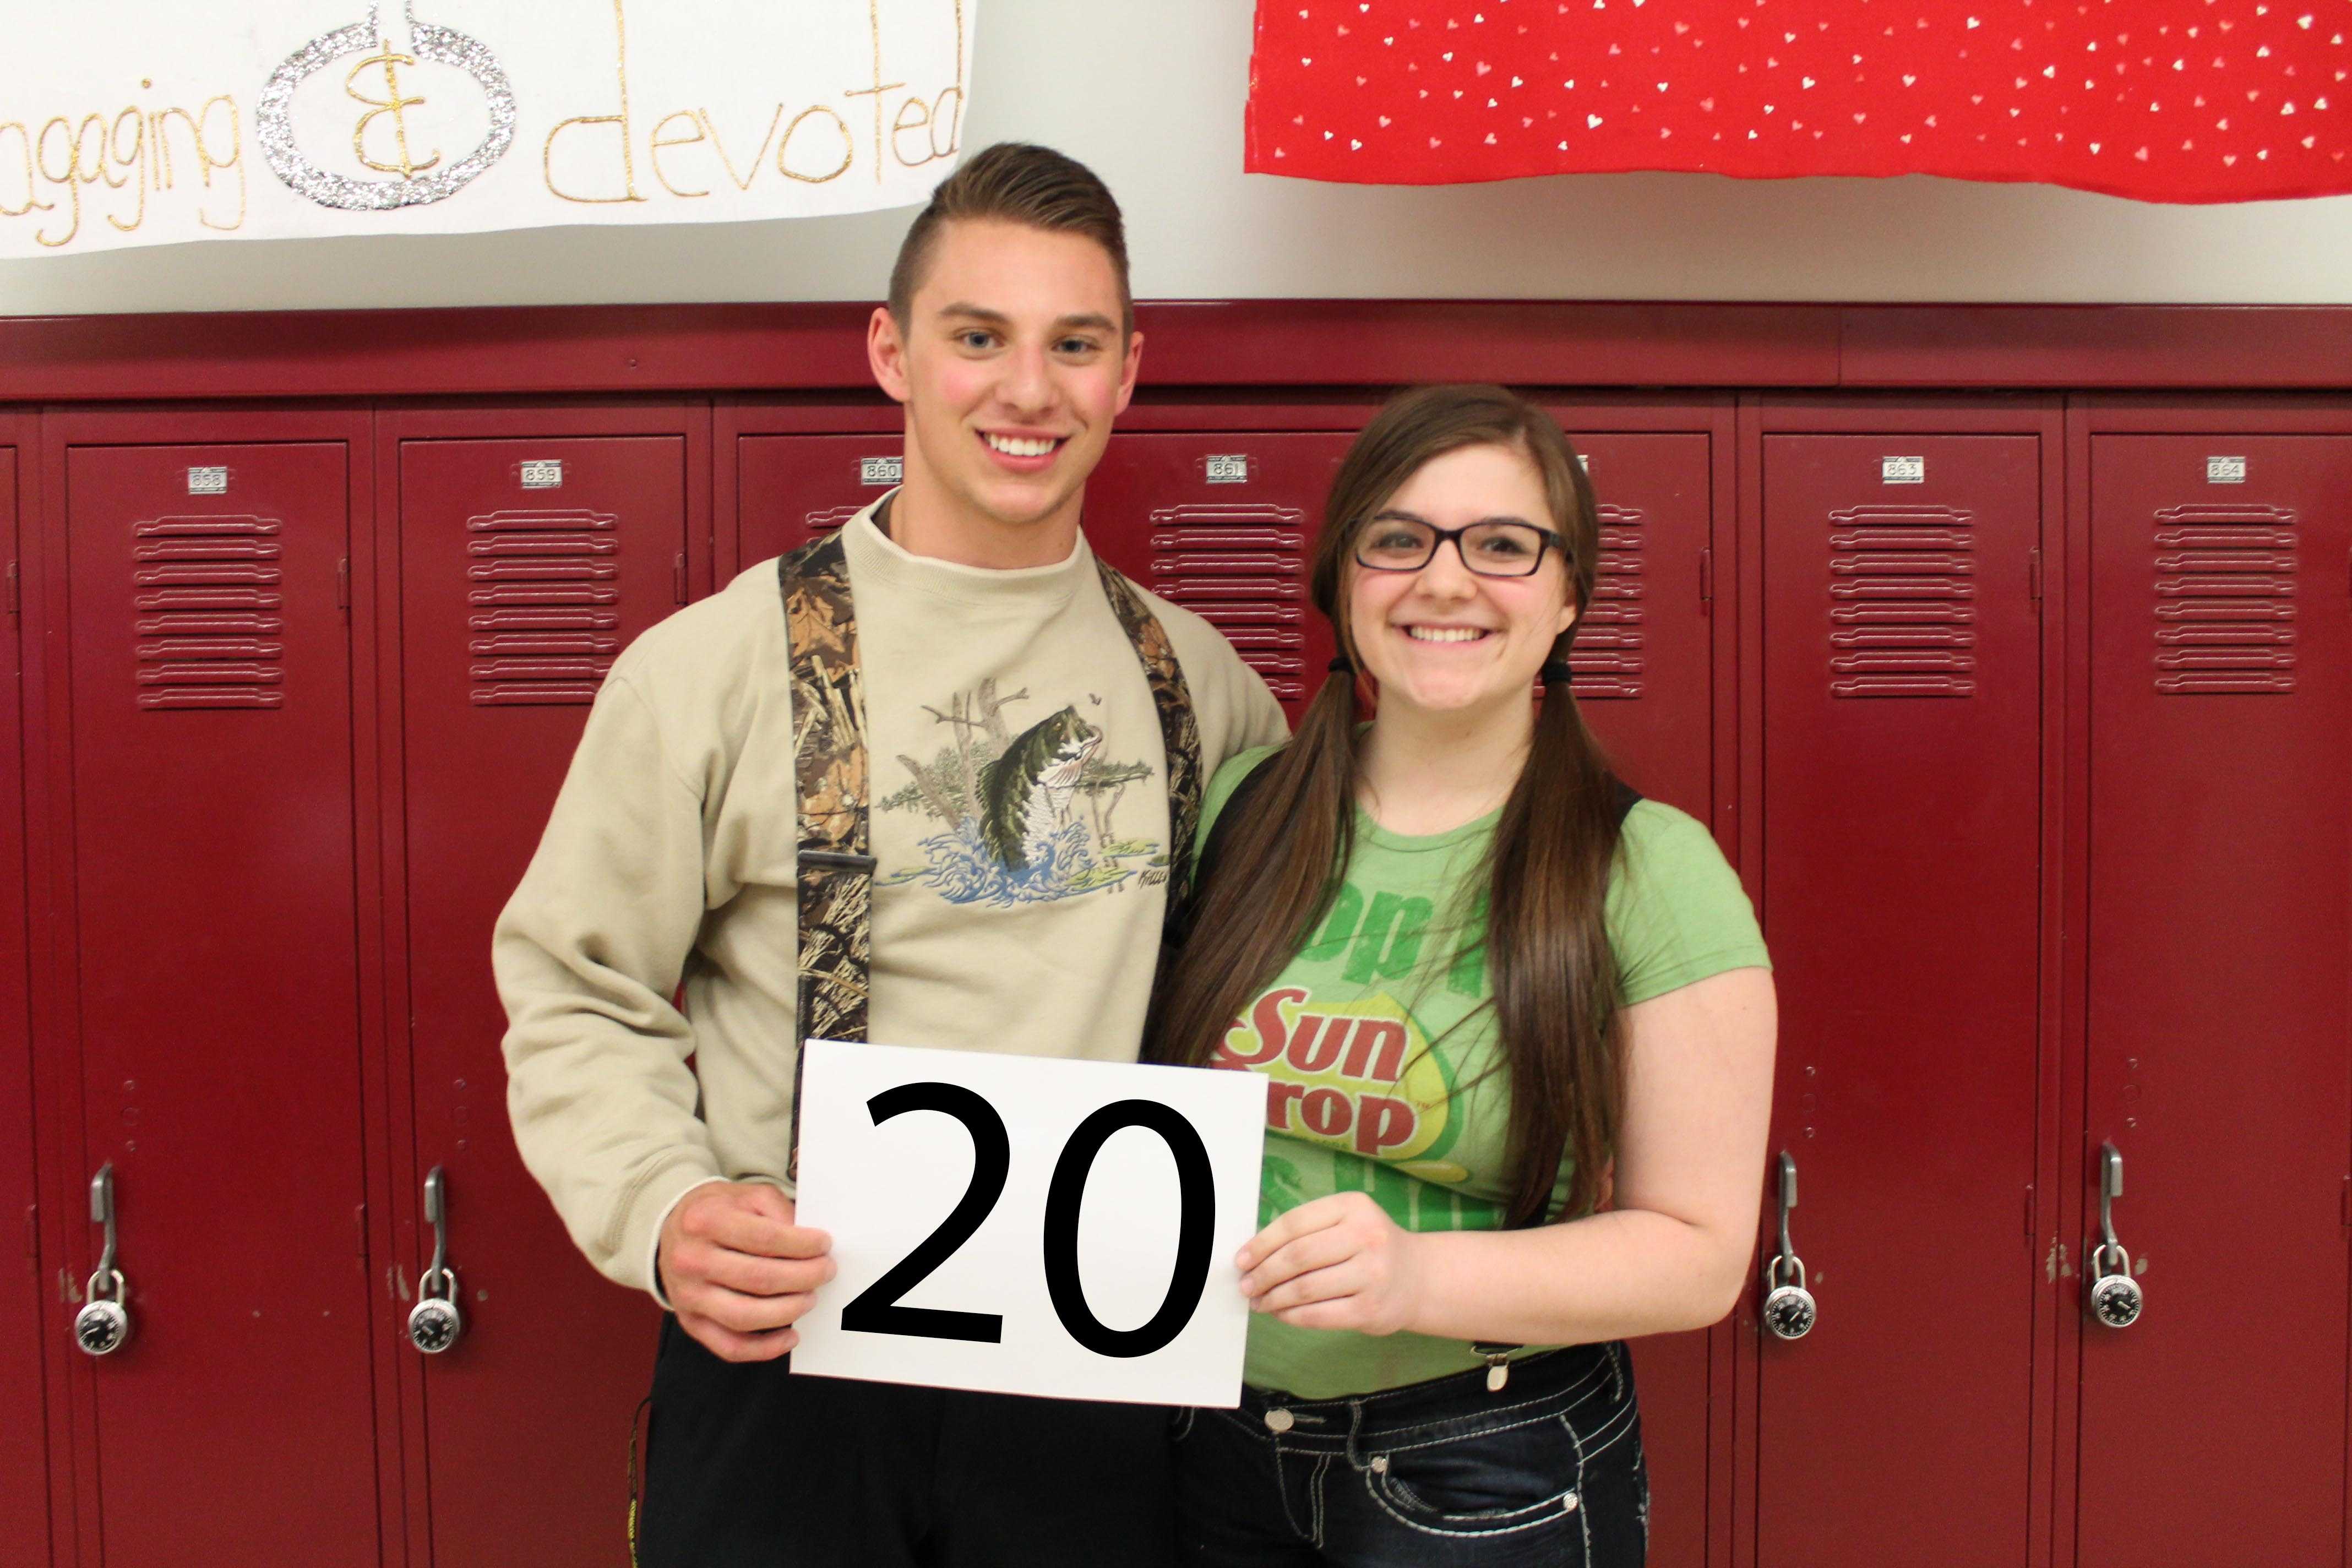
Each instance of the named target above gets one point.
<point>235,159</point>
<point>32,202</point>
<point>64,177</point>
<point>757,158</point>
<point>954,122</point>
<point>874,22</point>
<point>849,147</point>
<point>629,162</point>
<point>660,142</point>
<point>901,124</point>
<point>135,160</point>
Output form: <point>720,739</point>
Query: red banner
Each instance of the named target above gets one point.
<point>2173,101</point>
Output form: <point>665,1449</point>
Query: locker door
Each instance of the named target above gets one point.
<point>792,488</point>
<point>1643,656</point>
<point>1223,523</point>
<point>525,566</point>
<point>1643,682</point>
<point>1900,894</point>
<point>24,1450</point>
<point>214,916</point>
<point>2220,925</point>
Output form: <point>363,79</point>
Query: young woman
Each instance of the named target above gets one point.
<point>1520,1027</point>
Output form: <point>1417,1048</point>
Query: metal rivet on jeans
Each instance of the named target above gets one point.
<point>1380,1464</point>
<point>1567,1503</point>
<point>1280,1420</point>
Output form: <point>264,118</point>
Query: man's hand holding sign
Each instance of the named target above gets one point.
<point>739,1267</point>
<point>1025,1225</point>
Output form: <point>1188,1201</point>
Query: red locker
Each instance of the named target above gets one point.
<point>533,546</point>
<point>1902,698</point>
<point>2219,936</point>
<point>795,487</point>
<point>23,1446</point>
<point>204,1002</point>
<point>1645,682</point>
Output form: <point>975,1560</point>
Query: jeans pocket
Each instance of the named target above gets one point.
<point>1496,1481</point>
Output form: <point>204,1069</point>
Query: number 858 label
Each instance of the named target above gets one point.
<point>1028,1226</point>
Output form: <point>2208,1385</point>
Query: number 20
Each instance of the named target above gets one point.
<point>877,1310</point>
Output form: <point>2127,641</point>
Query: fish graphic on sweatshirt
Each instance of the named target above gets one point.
<point>1026,798</point>
<point>1025,815</point>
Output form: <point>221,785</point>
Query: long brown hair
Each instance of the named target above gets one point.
<point>1280,867</point>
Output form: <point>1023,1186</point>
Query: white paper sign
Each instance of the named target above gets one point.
<point>1028,1226</point>
<point>149,122</point>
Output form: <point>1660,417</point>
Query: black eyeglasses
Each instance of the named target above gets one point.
<point>1394,542</point>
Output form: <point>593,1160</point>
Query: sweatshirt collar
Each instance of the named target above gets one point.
<point>874,557</point>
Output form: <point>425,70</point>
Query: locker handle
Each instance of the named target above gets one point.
<point>2113,1297</point>
<point>1788,1307</point>
<point>436,1322</point>
<point>104,1321</point>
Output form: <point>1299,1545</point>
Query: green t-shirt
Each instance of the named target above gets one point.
<point>1388,1074</point>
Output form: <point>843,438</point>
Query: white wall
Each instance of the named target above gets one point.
<point>1149,93</point>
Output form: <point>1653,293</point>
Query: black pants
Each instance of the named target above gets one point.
<point>747,1465</point>
<point>1545,1471</point>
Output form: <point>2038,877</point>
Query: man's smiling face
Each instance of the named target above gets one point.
<point>1013,361</point>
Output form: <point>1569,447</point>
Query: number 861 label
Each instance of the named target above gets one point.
<point>1029,1226</point>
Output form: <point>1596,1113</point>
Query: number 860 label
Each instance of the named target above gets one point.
<point>1028,1226</point>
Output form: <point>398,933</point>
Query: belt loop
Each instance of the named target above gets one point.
<point>1355,1425</point>
<point>1617,1370</point>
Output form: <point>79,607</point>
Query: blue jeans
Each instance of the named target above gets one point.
<point>1443,1473</point>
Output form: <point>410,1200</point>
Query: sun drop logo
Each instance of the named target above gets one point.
<point>1359,1078</point>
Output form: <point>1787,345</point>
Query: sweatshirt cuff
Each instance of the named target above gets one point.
<point>661,1223</point>
<point>650,1248</point>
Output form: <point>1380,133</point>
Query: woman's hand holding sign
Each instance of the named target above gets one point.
<point>739,1268</point>
<point>1339,1262</point>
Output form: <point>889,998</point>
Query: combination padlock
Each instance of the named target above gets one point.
<point>2109,1293</point>
<point>435,1321</point>
<point>2115,1297</point>
<point>103,1325</point>
<point>1789,1308</point>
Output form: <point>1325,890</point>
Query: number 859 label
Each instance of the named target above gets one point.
<point>1029,1226</point>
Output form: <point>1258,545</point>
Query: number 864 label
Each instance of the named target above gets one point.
<point>1029,1226</point>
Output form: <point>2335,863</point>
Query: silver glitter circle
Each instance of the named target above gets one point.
<point>274,125</point>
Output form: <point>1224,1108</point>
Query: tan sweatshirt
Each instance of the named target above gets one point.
<point>1022,919</point>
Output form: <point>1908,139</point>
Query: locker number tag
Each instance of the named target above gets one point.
<point>1022,1224</point>
<point>881,471</point>
<point>543,474</point>
<point>208,482</point>
<point>1230,469</point>
<point>1902,470</point>
<point>2225,470</point>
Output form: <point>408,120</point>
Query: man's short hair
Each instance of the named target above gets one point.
<point>1015,182</point>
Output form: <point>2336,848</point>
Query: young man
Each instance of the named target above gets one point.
<point>1000,667</point>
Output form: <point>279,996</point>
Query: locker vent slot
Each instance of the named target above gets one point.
<point>210,602</point>
<point>545,587</point>
<point>2224,600</point>
<point>1242,568</point>
<point>1607,654</point>
<point>1901,588</point>
<point>830,518</point>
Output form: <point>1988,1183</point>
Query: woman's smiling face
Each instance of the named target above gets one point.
<point>1445,638</point>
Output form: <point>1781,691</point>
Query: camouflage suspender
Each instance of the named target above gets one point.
<point>1180,732</point>
<point>835,861</point>
<point>836,871</point>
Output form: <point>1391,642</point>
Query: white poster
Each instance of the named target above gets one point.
<point>1028,1226</point>
<point>151,122</point>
